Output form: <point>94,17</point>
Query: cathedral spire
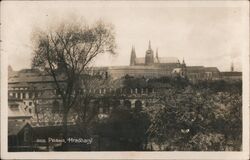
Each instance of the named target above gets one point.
<point>149,58</point>
<point>133,56</point>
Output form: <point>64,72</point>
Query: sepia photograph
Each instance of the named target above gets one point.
<point>125,77</point>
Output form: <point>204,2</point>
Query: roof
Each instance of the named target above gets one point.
<point>31,75</point>
<point>29,78</point>
<point>29,71</point>
<point>168,60</point>
<point>54,131</point>
<point>48,131</point>
<point>15,127</point>
<point>136,67</point>
<point>195,68</point>
<point>140,60</point>
<point>211,69</point>
<point>231,73</point>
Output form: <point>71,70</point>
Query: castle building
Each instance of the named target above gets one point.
<point>151,60</point>
<point>154,66</point>
<point>149,66</point>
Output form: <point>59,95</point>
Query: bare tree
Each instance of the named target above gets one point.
<point>86,108</point>
<point>35,101</point>
<point>66,51</point>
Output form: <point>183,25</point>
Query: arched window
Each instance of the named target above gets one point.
<point>127,104</point>
<point>30,95</point>
<point>24,96</point>
<point>138,105</point>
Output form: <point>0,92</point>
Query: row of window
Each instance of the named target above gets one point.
<point>198,75</point>
<point>23,95</point>
<point>121,90</point>
<point>32,95</point>
<point>19,88</point>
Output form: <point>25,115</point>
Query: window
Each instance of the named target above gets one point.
<point>24,95</point>
<point>18,95</point>
<point>30,95</point>
<point>30,103</point>
<point>25,134</point>
<point>138,105</point>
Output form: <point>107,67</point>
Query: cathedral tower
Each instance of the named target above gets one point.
<point>149,57</point>
<point>132,57</point>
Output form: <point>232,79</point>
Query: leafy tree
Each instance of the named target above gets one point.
<point>196,119</point>
<point>65,51</point>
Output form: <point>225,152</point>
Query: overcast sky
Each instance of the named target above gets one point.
<point>201,34</point>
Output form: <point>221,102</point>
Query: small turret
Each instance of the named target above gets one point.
<point>133,56</point>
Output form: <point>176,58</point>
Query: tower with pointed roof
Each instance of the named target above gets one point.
<point>149,57</point>
<point>232,67</point>
<point>184,68</point>
<point>133,56</point>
